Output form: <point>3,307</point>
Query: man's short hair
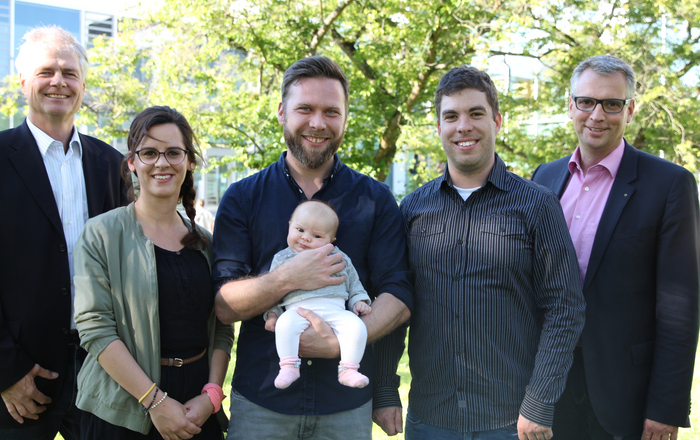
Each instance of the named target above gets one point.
<point>314,67</point>
<point>49,36</point>
<point>605,65</point>
<point>466,77</point>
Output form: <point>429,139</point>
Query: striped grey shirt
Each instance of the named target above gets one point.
<point>498,302</point>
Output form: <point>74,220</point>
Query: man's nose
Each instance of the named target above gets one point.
<point>598,113</point>
<point>58,80</point>
<point>317,121</point>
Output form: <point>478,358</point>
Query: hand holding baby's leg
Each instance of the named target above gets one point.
<point>271,322</point>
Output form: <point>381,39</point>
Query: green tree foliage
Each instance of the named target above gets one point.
<point>660,39</point>
<point>221,63</point>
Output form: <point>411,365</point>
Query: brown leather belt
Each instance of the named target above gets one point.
<point>177,362</point>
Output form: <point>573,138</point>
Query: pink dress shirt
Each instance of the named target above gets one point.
<point>584,199</point>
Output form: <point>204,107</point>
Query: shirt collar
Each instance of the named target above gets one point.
<point>44,141</point>
<point>611,162</point>
<point>337,164</point>
<point>498,176</point>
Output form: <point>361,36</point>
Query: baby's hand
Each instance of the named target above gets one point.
<point>360,308</point>
<point>271,321</point>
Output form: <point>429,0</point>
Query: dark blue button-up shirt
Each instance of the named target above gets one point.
<point>251,226</point>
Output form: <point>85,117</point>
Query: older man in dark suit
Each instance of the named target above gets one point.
<point>51,180</point>
<point>634,221</point>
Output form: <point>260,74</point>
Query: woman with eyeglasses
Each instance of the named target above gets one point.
<point>144,300</point>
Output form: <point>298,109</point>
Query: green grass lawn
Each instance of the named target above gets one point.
<point>377,434</point>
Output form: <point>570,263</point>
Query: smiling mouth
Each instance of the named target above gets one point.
<point>52,95</point>
<point>315,140</point>
<point>161,177</point>
<point>466,143</point>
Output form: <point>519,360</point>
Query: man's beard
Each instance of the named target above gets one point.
<point>312,159</point>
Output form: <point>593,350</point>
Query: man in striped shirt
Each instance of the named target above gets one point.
<point>498,305</point>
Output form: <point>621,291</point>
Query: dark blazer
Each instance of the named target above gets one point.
<point>641,291</point>
<point>35,284</point>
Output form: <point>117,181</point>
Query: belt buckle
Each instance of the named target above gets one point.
<point>177,362</point>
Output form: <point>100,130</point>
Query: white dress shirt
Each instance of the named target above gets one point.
<point>65,170</point>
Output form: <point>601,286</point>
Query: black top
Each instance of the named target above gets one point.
<point>185,301</point>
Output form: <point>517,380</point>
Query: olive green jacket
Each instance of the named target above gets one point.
<point>116,297</point>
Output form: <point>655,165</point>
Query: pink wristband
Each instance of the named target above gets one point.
<point>216,395</point>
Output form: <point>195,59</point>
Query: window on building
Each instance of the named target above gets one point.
<point>30,15</point>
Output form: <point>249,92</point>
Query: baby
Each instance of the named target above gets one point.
<point>314,224</point>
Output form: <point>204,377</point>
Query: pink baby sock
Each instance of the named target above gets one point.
<point>350,377</point>
<point>289,371</point>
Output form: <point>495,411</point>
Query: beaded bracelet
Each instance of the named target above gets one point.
<point>159,402</point>
<point>146,408</point>
<point>149,390</point>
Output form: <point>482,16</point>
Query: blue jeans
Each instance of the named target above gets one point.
<point>61,415</point>
<point>416,429</point>
<point>249,421</point>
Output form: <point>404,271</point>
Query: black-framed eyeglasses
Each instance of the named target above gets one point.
<point>586,104</point>
<point>173,155</point>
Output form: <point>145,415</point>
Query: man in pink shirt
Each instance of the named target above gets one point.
<point>635,223</point>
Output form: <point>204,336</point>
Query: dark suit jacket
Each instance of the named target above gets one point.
<point>641,291</point>
<point>35,284</point>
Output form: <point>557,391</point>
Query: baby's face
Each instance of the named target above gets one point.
<point>308,232</point>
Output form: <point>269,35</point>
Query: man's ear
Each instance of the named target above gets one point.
<point>280,113</point>
<point>630,110</point>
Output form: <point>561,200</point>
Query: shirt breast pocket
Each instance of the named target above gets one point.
<point>503,242</point>
<point>425,243</point>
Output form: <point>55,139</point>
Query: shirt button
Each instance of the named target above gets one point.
<point>64,291</point>
<point>578,216</point>
<point>457,277</point>
<point>460,242</point>
<point>586,188</point>
<point>309,362</point>
<point>62,247</point>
